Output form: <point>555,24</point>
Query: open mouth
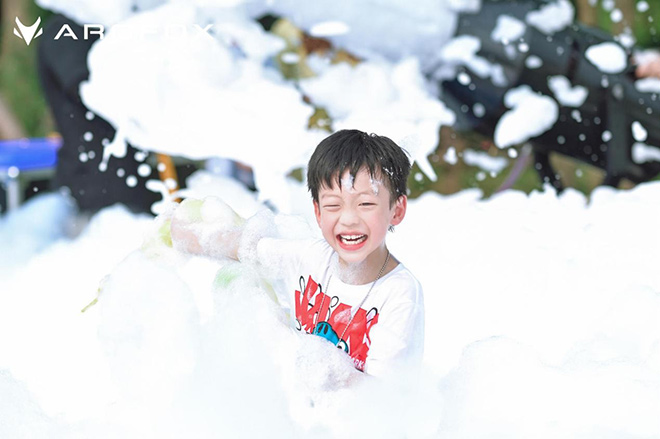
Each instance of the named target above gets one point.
<point>352,240</point>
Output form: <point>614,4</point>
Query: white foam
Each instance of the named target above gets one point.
<point>639,132</point>
<point>388,99</point>
<point>531,114</point>
<point>566,93</point>
<point>608,57</point>
<point>153,353</point>
<point>484,161</point>
<point>552,17</point>
<point>329,29</point>
<point>642,153</point>
<point>648,85</point>
<point>508,29</point>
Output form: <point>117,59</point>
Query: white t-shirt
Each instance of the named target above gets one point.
<point>384,334</point>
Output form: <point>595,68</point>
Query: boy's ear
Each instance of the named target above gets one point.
<point>317,213</point>
<point>399,210</point>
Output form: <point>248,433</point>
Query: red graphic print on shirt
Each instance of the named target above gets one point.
<point>320,314</point>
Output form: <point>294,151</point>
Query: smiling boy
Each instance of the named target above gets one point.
<point>367,302</point>
<point>347,287</point>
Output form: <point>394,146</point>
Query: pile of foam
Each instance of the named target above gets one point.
<point>541,320</point>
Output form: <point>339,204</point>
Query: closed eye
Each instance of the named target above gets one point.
<point>367,204</point>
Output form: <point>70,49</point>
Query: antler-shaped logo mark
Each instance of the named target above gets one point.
<point>27,33</point>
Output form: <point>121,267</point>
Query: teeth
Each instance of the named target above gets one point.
<point>352,239</point>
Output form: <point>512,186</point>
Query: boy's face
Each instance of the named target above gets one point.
<point>354,218</point>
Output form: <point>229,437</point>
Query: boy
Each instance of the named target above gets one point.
<point>346,288</point>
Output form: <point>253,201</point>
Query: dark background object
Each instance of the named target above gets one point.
<point>613,103</point>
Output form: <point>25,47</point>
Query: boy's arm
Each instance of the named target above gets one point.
<point>211,228</point>
<point>207,227</point>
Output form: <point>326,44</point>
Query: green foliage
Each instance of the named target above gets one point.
<point>646,25</point>
<point>19,80</point>
<point>470,177</point>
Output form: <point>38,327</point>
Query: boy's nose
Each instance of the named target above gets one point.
<point>348,216</point>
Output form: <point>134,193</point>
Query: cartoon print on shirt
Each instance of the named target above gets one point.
<point>319,314</point>
<point>324,330</point>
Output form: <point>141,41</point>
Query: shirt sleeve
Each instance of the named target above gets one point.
<point>397,341</point>
<point>281,257</point>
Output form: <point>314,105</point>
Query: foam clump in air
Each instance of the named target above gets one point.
<point>608,57</point>
<point>329,29</point>
<point>464,5</point>
<point>484,161</point>
<point>391,99</point>
<point>508,29</point>
<point>552,17</point>
<point>462,50</point>
<point>105,13</point>
<point>531,114</point>
<point>229,67</point>
<point>642,153</point>
<point>648,85</point>
<point>417,23</point>
<point>566,94</point>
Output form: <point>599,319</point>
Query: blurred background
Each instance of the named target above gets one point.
<point>24,109</point>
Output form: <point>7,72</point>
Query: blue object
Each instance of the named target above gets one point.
<point>29,154</point>
<point>21,159</point>
<point>324,330</point>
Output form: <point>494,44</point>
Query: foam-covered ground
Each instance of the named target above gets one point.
<point>541,322</point>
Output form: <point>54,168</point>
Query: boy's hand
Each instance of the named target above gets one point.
<point>206,227</point>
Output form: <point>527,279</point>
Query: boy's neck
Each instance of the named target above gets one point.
<point>367,271</point>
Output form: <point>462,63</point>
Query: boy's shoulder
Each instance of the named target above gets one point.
<point>401,285</point>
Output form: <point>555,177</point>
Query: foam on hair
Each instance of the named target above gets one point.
<point>353,150</point>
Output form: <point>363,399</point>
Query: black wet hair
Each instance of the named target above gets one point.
<point>353,150</point>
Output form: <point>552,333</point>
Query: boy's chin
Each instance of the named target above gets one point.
<point>352,259</point>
